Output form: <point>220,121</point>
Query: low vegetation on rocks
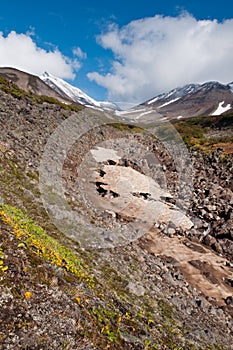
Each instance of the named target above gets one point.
<point>207,133</point>
<point>55,294</point>
<point>11,88</point>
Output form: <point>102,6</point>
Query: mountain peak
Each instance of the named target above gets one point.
<point>75,94</point>
<point>190,100</point>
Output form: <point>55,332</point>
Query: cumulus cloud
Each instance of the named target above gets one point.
<point>20,51</point>
<point>154,55</point>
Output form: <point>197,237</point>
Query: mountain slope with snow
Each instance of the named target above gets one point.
<point>211,98</point>
<point>75,94</point>
<point>174,94</point>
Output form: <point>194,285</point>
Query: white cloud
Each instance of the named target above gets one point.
<point>20,51</point>
<point>156,54</point>
<point>77,51</point>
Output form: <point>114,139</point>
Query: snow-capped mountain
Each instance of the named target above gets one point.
<point>75,94</point>
<point>52,86</point>
<point>173,95</point>
<point>211,98</point>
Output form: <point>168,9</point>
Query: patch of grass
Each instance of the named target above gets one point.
<point>194,130</point>
<point>128,127</point>
<point>167,133</point>
<point>72,107</point>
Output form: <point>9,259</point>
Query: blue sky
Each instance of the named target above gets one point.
<point>126,51</point>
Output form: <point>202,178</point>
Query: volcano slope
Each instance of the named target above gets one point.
<point>170,287</point>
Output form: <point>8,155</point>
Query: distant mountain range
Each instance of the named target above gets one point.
<point>210,98</point>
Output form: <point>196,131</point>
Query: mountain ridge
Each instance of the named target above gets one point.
<point>209,98</point>
<point>180,91</point>
<point>51,86</point>
<point>29,83</point>
<point>194,100</point>
<point>75,94</point>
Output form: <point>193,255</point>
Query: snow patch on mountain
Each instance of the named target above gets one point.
<point>175,94</point>
<point>75,94</point>
<point>169,102</point>
<point>179,92</point>
<point>153,100</point>
<point>222,109</point>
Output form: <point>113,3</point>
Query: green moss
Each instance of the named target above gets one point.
<point>128,127</point>
<point>166,310</point>
<point>19,93</point>
<point>167,133</point>
<point>193,130</point>
<point>3,81</point>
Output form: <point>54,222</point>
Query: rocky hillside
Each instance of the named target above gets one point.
<point>169,287</point>
<point>53,87</point>
<point>31,84</point>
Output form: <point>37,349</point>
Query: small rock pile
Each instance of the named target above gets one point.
<point>212,201</point>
